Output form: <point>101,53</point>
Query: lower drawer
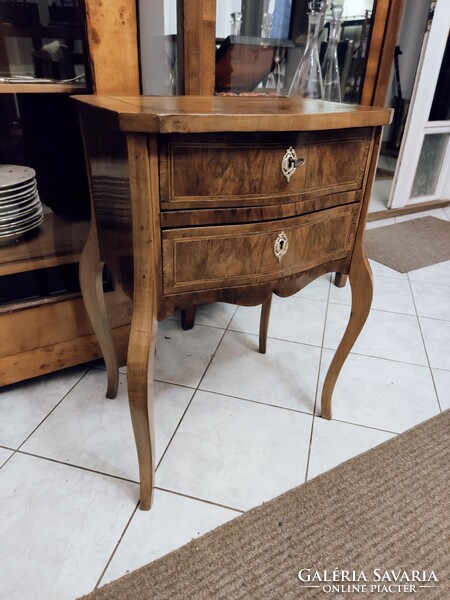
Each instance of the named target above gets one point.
<point>197,258</point>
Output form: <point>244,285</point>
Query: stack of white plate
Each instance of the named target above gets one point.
<point>20,206</point>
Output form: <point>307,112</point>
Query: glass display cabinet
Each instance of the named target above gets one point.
<point>50,49</point>
<point>46,54</point>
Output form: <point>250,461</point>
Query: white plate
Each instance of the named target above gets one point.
<point>19,192</point>
<point>15,234</point>
<point>18,214</point>
<point>16,207</point>
<point>8,227</point>
<point>13,175</point>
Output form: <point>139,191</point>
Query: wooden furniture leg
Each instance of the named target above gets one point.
<point>141,352</point>
<point>91,283</point>
<point>188,318</point>
<point>340,280</point>
<point>144,325</point>
<point>264,324</point>
<point>362,291</point>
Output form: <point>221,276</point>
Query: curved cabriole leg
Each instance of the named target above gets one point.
<point>264,324</point>
<point>362,291</point>
<point>141,352</point>
<point>91,283</point>
<point>141,347</point>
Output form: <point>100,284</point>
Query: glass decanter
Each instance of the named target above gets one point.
<point>266,26</point>
<point>330,65</point>
<point>307,80</point>
<point>236,23</point>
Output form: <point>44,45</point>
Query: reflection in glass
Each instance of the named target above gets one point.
<point>307,80</point>
<point>236,23</point>
<point>158,47</point>
<point>440,109</point>
<point>330,64</point>
<point>263,57</point>
<point>41,40</point>
<point>430,164</point>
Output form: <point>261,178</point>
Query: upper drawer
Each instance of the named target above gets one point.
<point>218,170</point>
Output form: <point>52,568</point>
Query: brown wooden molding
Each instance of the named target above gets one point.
<point>112,46</point>
<point>198,18</point>
<point>386,23</point>
<point>389,213</point>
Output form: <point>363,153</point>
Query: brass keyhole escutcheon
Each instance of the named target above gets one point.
<point>280,245</point>
<point>290,162</point>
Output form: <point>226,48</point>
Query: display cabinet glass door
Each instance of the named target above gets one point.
<point>260,43</point>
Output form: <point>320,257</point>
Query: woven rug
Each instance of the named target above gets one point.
<point>382,516</point>
<point>409,245</point>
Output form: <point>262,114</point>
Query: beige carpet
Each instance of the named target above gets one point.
<point>410,245</point>
<point>386,510</point>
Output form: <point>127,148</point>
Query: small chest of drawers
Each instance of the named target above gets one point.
<point>198,200</point>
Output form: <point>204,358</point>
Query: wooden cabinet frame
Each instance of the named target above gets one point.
<point>51,341</point>
<point>198,18</point>
<point>49,334</point>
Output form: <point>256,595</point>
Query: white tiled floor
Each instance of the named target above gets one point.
<point>234,428</point>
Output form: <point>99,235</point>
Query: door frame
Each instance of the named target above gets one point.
<point>417,124</point>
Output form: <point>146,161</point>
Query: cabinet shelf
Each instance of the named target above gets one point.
<point>42,31</point>
<point>58,242</point>
<point>42,88</point>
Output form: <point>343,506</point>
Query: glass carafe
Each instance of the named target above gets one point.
<point>307,80</point>
<point>236,23</point>
<point>330,65</point>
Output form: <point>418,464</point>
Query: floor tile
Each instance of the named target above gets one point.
<point>94,432</point>
<point>438,273</point>
<point>226,451</point>
<point>436,335</point>
<point>294,319</point>
<point>182,356</point>
<point>317,289</point>
<point>342,295</point>
<point>24,405</point>
<point>334,442</point>
<point>447,212</point>
<point>442,382</point>
<point>432,299</point>
<point>218,314</point>
<point>58,528</point>
<point>4,455</point>
<point>172,522</point>
<point>381,270</point>
<point>393,295</point>
<point>384,335</point>
<point>285,376</point>
<point>381,393</point>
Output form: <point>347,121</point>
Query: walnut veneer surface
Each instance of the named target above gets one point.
<point>192,206</point>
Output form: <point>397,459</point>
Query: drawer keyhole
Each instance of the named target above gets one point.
<point>280,246</point>
<point>290,162</point>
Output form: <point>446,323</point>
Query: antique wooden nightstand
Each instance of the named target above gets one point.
<point>205,199</point>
